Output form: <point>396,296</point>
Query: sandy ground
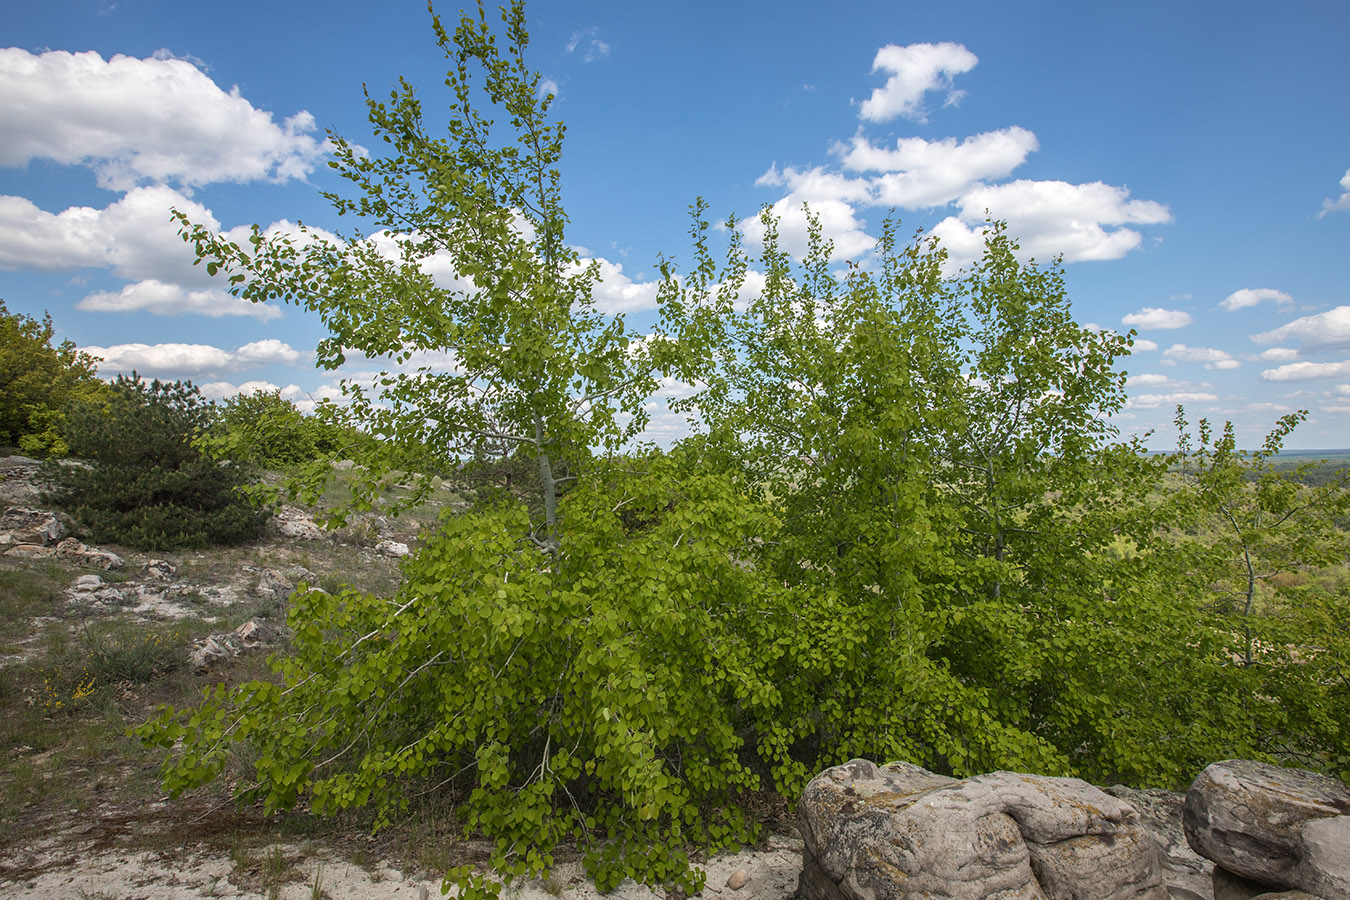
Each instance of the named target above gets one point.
<point>68,872</point>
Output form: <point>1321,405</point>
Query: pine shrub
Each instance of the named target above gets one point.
<point>146,484</point>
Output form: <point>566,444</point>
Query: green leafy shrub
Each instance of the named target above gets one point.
<point>37,380</point>
<point>147,485</point>
<point>270,431</point>
<point>602,695</point>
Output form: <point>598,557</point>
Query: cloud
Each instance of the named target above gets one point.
<point>1278,354</point>
<point>1307,371</point>
<point>1141,345</point>
<point>1156,318</point>
<point>151,120</point>
<point>172,360</point>
<point>171,300</point>
<point>1152,401</point>
<point>1327,329</point>
<point>617,293</point>
<point>587,40</point>
<point>915,70</point>
<point>1147,380</point>
<point>1340,203</point>
<point>831,197</point>
<point>1252,296</point>
<point>923,174</point>
<point>135,237</point>
<point>1212,358</point>
<point>1049,218</point>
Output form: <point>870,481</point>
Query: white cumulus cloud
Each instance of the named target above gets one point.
<point>144,120</point>
<point>1156,318</point>
<point>1278,354</point>
<point>171,300</point>
<point>1252,296</point>
<point>173,360</point>
<point>1307,371</point>
<point>1141,345</point>
<point>1342,202</point>
<point>1212,358</point>
<point>1152,401</point>
<point>914,71</point>
<point>921,174</point>
<point>1327,329</point>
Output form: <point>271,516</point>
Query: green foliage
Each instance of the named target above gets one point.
<point>601,695</point>
<point>1247,531</point>
<point>512,354</point>
<point>146,485</point>
<point>269,431</point>
<point>909,530</point>
<point>37,380</point>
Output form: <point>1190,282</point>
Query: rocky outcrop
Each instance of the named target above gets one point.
<point>1187,874</point>
<point>900,832</point>
<point>296,523</point>
<point>228,644</point>
<point>392,549</point>
<point>1286,829</point>
<point>28,525</point>
<point>76,552</point>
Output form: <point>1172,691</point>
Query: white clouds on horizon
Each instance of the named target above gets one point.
<point>175,360</point>
<point>1307,371</point>
<point>1157,318</point>
<point>915,70</point>
<point>1324,330</point>
<point>153,120</point>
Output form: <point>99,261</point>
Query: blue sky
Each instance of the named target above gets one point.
<point>1190,161</point>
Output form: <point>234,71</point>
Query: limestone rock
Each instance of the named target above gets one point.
<point>394,549</point>
<point>738,879</point>
<point>30,551</point>
<point>273,585</point>
<point>229,644</point>
<point>296,523</point>
<point>86,583</point>
<point>1187,874</point>
<point>159,570</point>
<point>27,525</point>
<point>1287,828</point>
<point>900,832</point>
<point>78,553</point>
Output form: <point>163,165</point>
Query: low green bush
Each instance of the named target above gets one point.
<point>146,485</point>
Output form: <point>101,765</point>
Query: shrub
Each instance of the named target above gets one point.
<point>266,429</point>
<point>148,486</point>
<point>36,382</point>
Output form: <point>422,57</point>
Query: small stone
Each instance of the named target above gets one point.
<point>393,549</point>
<point>159,569</point>
<point>30,551</point>
<point>88,583</point>
<point>422,892</point>
<point>738,879</point>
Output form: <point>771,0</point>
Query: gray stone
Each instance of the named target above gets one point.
<point>28,525</point>
<point>159,570</point>
<point>87,583</point>
<point>394,549</point>
<point>899,832</point>
<point>295,523</point>
<point>1187,874</point>
<point>76,552</point>
<point>273,586</point>
<point>1253,820</point>
<point>30,551</point>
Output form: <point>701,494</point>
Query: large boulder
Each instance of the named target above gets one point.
<point>900,832</point>
<point>1285,828</point>
<point>1187,874</point>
